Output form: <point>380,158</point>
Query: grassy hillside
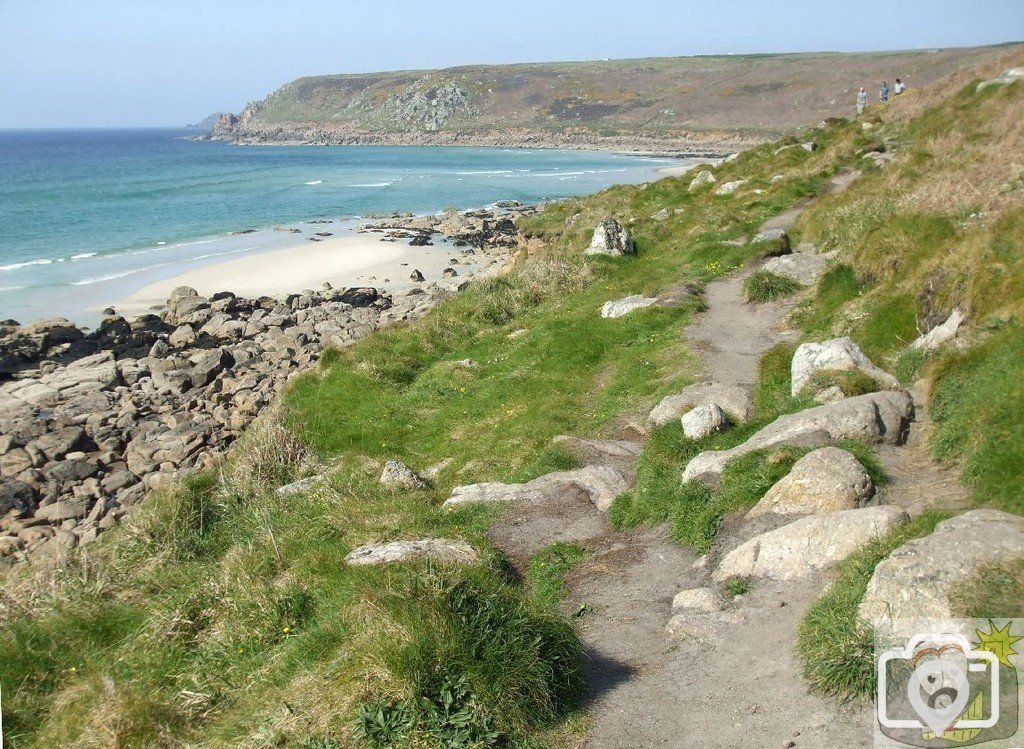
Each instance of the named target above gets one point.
<point>710,100</point>
<point>223,615</point>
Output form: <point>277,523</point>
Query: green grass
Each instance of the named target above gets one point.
<point>851,382</point>
<point>548,568</point>
<point>835,646</point>
<point>996,592</point>
<point>736,586</point>
<point>977,402</point>
<point>765,286</point>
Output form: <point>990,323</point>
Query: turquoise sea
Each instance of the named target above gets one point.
<point>88,216</point>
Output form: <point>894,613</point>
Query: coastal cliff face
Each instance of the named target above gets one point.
<point>659,104</point>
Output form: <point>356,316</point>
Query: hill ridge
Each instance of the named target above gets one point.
<point>665,104</point>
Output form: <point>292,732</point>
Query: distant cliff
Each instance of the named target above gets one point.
<point>207,123</point>
<point>663,104</point>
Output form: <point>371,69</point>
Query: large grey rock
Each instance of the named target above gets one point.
<point>804,268</point>
<point>697,599</point>
<point>623,307</point>
<point>824,480</point>
<point>397,475</point>
<point>599,485</point>
<point>611,238</point>
<point>920,579</point>
<point>875,417</point>
<point>436,549</point>
<point>15,495</point>
<point>703,421</point>
<point>298,487</point>
<point>732,399</point>
<point>809,544</point>
<point>941,334</point>
<point>834,354</point>
<point>704,177</point>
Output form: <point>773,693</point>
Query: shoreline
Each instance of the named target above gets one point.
<point>341,261</point>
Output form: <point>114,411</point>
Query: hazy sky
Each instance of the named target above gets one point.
<point>167,62</point>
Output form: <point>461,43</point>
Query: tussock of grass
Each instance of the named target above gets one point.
<point>977,402</point>
<point>836,647</point>
<point>850,381</point>
<point>736,586</point>
<point>765,286</point>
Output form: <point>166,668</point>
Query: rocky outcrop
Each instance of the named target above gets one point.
<point>611,238</point>
<point>920,579</point>
<point>875,417</point>
<point>599,485</point>
<point>85,434</point>
<point>482,230</point>
<point>809,544</point>
<point>704,177</point>
<point>824,480</point>
<point>735,401</point>
<point>623,307</point>
<point>840,354</point>
<point>436,549</point>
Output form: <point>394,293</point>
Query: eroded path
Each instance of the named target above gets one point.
<point>728,678</point>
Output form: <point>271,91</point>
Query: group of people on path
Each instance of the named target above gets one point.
<point>883,94</point>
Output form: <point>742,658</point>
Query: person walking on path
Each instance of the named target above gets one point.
<point>899,88</point>
<point>883,93</point>
<point>862,100</point>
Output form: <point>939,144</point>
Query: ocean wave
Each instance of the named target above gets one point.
<point>12,288</point>
<point>28,263</point>
<point>491,171</point>
<point>373,184</point>
<point>108,277</point>
<point>315,182</point>
<point>84,255</point>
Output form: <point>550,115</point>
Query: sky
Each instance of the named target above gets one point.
<point>129,63</point>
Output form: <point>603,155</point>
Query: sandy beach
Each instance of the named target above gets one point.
<point>362,260</point>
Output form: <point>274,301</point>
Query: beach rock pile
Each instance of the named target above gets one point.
<point>482,230</point>
<point>89,422</point>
